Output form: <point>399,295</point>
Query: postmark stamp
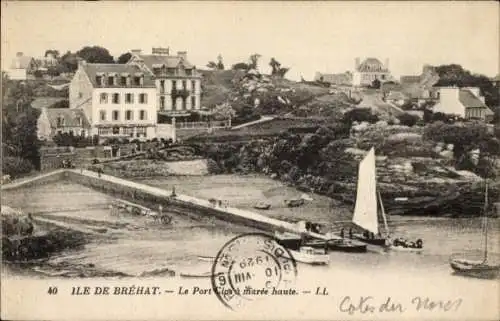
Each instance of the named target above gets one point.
<point>249,267</point>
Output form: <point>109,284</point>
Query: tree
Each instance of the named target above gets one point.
<point>376,84</point>
<point>220,64</point>
<point>223,111</point>
<point>359,115</point>
<point>253,61</point>
<point>53,71</point>
<point>53,52</point>
<point>95,54</point>
<point>408,119</point>
<point>124,58</point>
<point>69,61</point>
<point>212,65</point>
<point>240,66</point>
<point>277,70</point>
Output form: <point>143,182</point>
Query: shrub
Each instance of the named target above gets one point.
<point>408,119</point>
<point>15,166</point>
<point>360,115</point>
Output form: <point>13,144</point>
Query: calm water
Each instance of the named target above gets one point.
<point>442,236</point>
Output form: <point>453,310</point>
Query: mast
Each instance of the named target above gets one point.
<point>485,223</point>
<point>386,226</point>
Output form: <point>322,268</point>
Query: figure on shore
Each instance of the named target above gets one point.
<point>160,209</point>
<point>342,233</point>
<point>350,233</point>
<point>173,191</point>
<point>372,235</point>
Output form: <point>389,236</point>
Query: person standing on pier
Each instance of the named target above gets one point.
<point>350,233</point>
<point>342,233</point>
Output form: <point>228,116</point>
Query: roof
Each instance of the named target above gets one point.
<point>334,78</point>
<point>168,61</point>
<point>24,62</point>
<point>70,117</point>
<point>45,102</point>
<point>371,64</point>
<point>469,100</point>
<point>92,70</point>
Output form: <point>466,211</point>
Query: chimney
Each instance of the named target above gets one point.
<point>182,54</point>
<point>356,63</point>
<point>19,54</point>
<point>386,63</point>
<point>160,51</point>
<point>136,51</point>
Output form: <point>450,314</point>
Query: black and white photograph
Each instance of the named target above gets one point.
<point>250,160</point>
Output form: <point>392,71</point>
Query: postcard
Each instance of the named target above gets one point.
<point>250,160</point>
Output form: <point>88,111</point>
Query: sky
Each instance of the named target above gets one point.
<point>305,36</point>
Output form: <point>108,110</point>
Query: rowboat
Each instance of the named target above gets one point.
<point>262,206</point>
<point>340,245</point>
<point>310,255</point>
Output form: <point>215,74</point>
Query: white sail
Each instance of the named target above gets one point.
<point>365,210</point>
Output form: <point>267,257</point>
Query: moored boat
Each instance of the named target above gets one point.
<point>294,202</point>
<point>366,211</point>
<point>310,255</point>
<point>340,245</point>
<point>481,268</point>
<point>262,206</point>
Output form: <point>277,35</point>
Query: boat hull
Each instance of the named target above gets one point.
<point>338,245</point>
<point>405,249</point>
<point>374,241</point>
<point>475,269</point>
<point>313,259</point>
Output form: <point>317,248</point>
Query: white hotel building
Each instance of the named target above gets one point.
<point>118,100</point>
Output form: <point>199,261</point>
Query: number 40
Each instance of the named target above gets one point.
<point>52,290</point>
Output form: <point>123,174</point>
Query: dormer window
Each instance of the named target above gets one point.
<point>138,80</point>
<point>123,81</point>
<point>111,80</point>
<point>79,121</point>
<point>98,80</point>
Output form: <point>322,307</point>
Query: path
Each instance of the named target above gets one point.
<point>263,119</point>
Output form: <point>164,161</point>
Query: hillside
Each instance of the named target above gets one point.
<point>267,95</point>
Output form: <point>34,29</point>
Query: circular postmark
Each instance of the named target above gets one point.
<point>251,266</point>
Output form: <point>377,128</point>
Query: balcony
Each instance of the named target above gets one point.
<point>184,93</point>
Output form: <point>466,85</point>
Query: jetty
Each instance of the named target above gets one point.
<point>138,192</point>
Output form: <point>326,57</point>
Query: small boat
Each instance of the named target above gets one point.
<point>289,240</point>
<point>478,268</point>
<point>310,255</point>
<point>196,275</point>
<point>294,202</point>
<point>340,245</point>
<point>262,206</point>
<point>366,210</point>
<point>206,258</point>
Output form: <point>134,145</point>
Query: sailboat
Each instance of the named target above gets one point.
<point>479,268</point>
<point>366,210</point>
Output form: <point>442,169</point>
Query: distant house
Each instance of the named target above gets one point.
<point>53,121</point>
<point>22,67</point>
<point>370,69</point>
<point>465,102</point>
<point>397,98</point>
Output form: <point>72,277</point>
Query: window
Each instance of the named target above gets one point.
<point>60,121</point>
<point>184,84</point>
<point>162,102</point>
<point>116,98</point>
<point>80,95</point>
<point>98,80</point>
<point>116,115</point>
<point>129,98</point>
<point>128,131</point>
<point>141,131</point>
<point>79,121</point>
<point>193,102</point>
<point>104,98</point>
<point>143,98</point>
<point>116,130</point>
<point>162,86</point>
<point>123,81</point>
<point>111,81</point>
<point>142,115</point>
<point>103,131</point>
<point>137,81</point>
<point>128,115</point>
<point>174,85</point>
<point>184,103</point>
<point>193,85</point>
<point>102,115</point>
